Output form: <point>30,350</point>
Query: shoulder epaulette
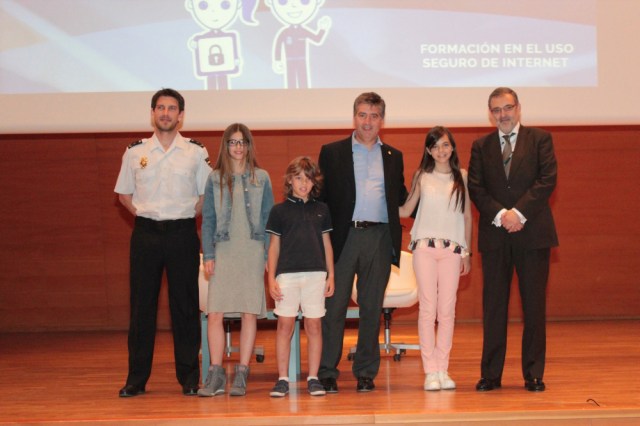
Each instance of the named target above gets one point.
<point>195,142</point>
<point>136,143</point>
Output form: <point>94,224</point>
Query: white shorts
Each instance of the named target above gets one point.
<point>301,291</point>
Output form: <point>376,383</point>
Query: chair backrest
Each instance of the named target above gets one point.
<point>402,289</point>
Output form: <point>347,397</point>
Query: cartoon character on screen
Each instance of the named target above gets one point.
<point>290,48</point>
<point>216,53</point>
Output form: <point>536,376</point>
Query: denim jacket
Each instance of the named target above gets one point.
<point>216,210</point>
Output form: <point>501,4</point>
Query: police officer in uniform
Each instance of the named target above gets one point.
<point>162,182</point>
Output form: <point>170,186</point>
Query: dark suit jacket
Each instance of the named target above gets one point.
<point>339,191</point>
<point>532,179</point>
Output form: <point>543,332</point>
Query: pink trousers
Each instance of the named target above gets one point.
<point>437,274</point>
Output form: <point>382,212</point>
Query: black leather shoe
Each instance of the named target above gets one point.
<point>131,390</point>
<point>485,384</point>
<point>365,384</point>
<point>330,384</point>
<point>534,385</point>
<point>190,390</point>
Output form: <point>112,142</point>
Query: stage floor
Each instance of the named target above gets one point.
<point>592,377</point>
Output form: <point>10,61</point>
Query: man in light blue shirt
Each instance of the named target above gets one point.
<point>363,187</point>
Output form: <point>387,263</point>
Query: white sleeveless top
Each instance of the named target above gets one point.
<point>438,217</point>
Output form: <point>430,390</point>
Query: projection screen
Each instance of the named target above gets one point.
<point>92,66</point>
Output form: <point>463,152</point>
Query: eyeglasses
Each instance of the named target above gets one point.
<point>506,108</point>
<point>237,142</point>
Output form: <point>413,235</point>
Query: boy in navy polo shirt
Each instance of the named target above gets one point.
<point>300,268</point>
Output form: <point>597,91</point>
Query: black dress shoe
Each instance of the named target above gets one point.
<point>131,390</point>
<point>190,390</point>
<point>485,384</point>
<point>534,385</point>
<point>365,384</point>
<point>330,384</point>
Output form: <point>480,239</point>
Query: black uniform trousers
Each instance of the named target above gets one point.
<point>532,268</point>
<point>156,246</point>
<point>367,253</point>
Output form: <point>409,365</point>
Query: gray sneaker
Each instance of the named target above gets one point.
<point>315,388</point>
<point>280,389</point>
<point>215,382</point>
<point>239,385</point>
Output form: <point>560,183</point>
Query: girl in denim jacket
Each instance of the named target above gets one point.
<point>237,201</point>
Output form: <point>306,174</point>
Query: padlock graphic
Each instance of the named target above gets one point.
<point>216,57</point>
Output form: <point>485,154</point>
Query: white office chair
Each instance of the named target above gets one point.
<point>401,292</point>
<point>203,289</point>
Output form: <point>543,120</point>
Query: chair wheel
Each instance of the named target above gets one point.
<point>396,357</point>
<point>350,357</point>
<point>260,358</point>
<point>403,351</point>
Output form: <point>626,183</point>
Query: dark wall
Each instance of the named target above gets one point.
<point>64,237</point>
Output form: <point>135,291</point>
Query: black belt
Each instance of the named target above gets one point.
<point>164,225</point>
<point>363,224</point>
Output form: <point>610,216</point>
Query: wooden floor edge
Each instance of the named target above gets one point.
<point>558,417</point>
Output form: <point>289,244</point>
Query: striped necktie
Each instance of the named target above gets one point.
<point>507,153</point>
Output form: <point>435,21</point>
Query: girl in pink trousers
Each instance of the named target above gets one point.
<point>440,240</point>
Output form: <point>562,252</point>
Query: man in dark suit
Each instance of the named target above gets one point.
<point>363,186</point>
<point>512,174</point>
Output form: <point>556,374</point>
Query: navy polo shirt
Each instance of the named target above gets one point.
<point>300,227</point>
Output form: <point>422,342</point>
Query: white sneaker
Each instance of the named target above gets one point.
<point>432,382</point>
<point>445,381</point>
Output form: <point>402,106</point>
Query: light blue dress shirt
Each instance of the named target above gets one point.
<point>371,202</point>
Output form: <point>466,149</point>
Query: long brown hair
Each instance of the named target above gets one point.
<point>223,163</point>
<point>428,164</point>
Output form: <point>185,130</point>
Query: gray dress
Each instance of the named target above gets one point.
<point>237,284</point>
